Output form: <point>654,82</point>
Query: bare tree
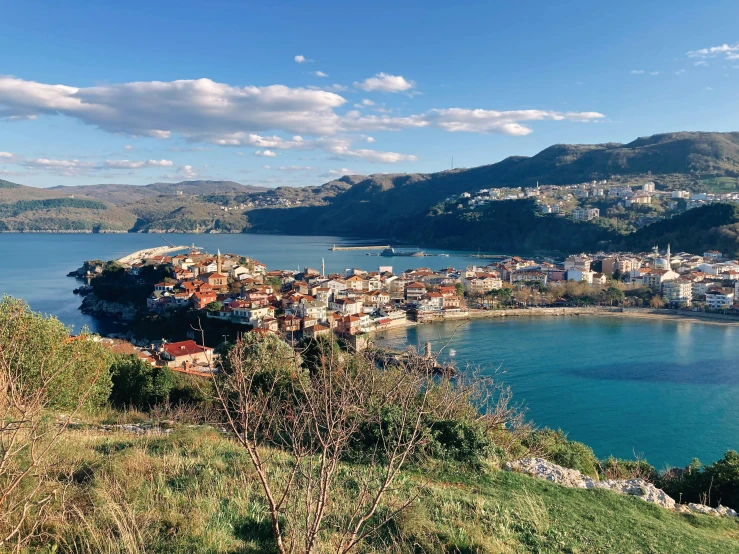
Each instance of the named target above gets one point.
<point>315,417</point>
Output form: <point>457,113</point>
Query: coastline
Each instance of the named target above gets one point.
<point>635,313</point>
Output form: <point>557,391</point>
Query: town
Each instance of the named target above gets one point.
<point>640,204</point>
<point>308,303</point>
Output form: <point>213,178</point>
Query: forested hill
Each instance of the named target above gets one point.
<point>379,204</point>
<point>122,195</point>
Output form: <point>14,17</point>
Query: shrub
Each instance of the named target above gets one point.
<point>613,468</point>
<point>138,384</point>
<point>715,484</point>
<point>461,441</point>
<point>41,348</point>
<point>554,446</point>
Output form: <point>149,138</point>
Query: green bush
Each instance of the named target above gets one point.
<point>138,384</point>
<point>66,369</point>
<point>613,468</point>
<point>461,441</point>
<point>554,446</point>
<point>715,484</point>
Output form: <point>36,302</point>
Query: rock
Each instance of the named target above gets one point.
<point>725,511</point>
<point>92,305</point>
<point>541,468</point>
<point>702,509</point>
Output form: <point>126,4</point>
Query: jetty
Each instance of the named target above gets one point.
<point>373,247</point>
<point>148,253</point>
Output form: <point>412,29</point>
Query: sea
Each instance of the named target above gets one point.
<point>661,390</point>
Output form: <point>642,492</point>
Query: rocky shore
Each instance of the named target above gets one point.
<point>543,469</point>
<point>116,311</point>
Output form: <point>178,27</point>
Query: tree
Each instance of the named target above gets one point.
<point>41,367</point>
<point>214,306</point>
<point>138,384</point>
<point>613,295</point>
<point>317,416</point>
<point>460,289</point>
<point>656,302</point>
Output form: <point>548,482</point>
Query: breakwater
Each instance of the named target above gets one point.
<point>371,247</point>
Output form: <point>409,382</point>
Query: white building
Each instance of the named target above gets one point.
<point>580,275</point>
<point>719,299</point>
<point>585,214</point>
<point>648,187</point>
<point>678,292</point>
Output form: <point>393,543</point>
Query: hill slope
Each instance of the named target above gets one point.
<point>25,208</point>
<point>122,195</point>
<point>376,205</point>
<point>194,491</point>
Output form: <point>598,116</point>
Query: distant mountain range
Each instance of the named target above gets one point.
<point>397,206</point>
<point>121,195</point>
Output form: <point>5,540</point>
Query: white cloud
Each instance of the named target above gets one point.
<point>367,102</point>
<point>383,82</point>
<point>267,118</point>
<point>6,156</point>
<point>654,72</point>
<point>290,168</point>
<point>320,74</point>
<point>727,51</point>
<point>128,147</point>
<point>129,164</point>
<point>187,171</point>
<point>192,108</point>
<point>637,71</point>
<point>61,167</point>
<point>680,71</point>
<point>701,62</point>
<point>370,139</point>
<point>266,153</point>
<point>299,59</point>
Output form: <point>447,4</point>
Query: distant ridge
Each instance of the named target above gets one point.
<point>121,194</point>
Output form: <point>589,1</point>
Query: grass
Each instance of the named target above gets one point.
<point>195,491</point>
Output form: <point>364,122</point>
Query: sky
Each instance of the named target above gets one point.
<point>300,93</point>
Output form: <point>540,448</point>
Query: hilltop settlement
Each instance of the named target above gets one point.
<point>240,293</point>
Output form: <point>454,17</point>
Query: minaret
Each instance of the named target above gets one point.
<point>219,261</point>
<point>323,267</point>
<point>668,256</point>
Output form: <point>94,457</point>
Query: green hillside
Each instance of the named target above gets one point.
<point>411,208</point>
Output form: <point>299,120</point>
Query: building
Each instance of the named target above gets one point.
<point>414,291</point>
<point>585,214</point>
<point>678,292</point>
<point>580,275</point>
<point>186,354</point>
<point>648,187</point>
<point>719,299</point>
<point>577,262</point>
<point>623,265</point>
<point>654,278</point>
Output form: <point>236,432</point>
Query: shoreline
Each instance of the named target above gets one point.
<point>629,313</point>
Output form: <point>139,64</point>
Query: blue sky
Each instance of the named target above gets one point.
<point>298,93</point>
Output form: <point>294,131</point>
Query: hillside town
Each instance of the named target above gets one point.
<point>309,303</point>
<point>580,201</point>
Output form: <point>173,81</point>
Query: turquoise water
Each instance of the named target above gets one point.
<point>665,390</point>
<point>668,390</point>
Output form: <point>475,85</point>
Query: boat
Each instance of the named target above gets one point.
<point>392,252</point>
<point>452,352</point>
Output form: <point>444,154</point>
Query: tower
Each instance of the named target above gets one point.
<point>323,267</point>
<point>668,256</point>
<point>219,261</point>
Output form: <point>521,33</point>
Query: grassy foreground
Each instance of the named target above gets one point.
<point>195,490</point>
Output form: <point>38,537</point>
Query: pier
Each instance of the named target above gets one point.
<point>383,247</point>
<point>148,253</point>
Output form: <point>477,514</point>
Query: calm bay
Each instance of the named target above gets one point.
<point>668,390</point>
